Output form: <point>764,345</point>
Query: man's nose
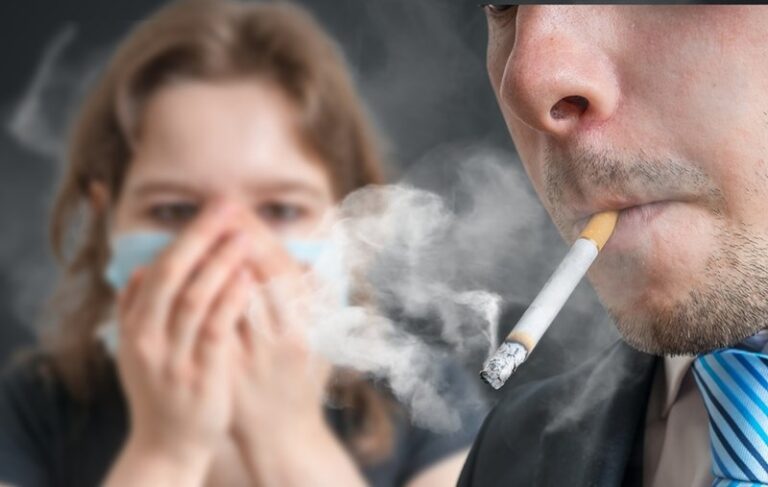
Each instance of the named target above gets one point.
<point>558,76</point>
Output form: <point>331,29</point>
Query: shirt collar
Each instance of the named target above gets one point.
<point>675,370</point>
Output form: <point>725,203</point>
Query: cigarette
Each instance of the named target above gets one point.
<point>539,316</point>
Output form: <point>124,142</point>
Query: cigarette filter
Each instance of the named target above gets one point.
<point>539,316</point>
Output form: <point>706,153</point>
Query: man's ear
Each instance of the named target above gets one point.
<point>98,196</point>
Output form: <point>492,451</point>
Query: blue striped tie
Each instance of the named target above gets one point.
<point>734,384</point>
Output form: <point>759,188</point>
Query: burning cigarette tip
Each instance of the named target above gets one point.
<point>503,363</point>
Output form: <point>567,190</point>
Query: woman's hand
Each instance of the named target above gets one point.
<point>178,323</point>
<point>279,384</point>
<point>278,379</point>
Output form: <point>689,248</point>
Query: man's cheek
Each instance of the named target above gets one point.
<point>495,64</point>
<point>532,159</point>
<point>500,44</point>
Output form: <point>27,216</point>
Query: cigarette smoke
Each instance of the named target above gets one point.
<point>438,270</point>
<point>58,84</point>
<point>33,143</point>
<point>397,238</point>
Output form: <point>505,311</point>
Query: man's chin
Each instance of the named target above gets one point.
<point>691,326</point>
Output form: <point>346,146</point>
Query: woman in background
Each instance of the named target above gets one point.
<point>231,126</point>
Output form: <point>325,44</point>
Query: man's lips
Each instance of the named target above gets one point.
<point>613,203</point>
<point>627,210</point>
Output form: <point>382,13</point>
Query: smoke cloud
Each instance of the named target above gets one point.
<point>33,143</point>
<point>41,116</point>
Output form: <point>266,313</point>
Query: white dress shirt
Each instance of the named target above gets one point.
<point>676,449</point>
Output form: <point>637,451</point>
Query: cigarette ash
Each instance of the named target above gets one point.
<point>500,366</point>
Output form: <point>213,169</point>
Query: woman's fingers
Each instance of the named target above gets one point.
<point>269,258</point>
<point>219,326</point>
<point>257,324</point>
<point>193,303</point>
<point>126,298</point>
<point>283,299</point>
<point>278,315</point>
<point>174,265</point>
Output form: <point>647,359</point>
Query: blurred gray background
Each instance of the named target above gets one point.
<point>420,66</point>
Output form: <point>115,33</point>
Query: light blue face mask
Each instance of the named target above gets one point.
<point>132,250</point>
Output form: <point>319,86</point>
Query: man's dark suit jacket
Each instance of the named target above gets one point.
<point>582,427</point>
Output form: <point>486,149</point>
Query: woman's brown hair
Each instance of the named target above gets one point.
<point>208,40</point>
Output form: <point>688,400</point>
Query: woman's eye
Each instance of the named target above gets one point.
<point>281,212</point>
<point>173,213</point>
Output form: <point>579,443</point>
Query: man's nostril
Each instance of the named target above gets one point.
<point>568,107</point>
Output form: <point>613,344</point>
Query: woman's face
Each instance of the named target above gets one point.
<point>232,142</point>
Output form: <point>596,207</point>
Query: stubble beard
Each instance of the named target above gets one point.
<point>729,304</point>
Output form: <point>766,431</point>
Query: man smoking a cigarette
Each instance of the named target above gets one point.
<point>658,112</point>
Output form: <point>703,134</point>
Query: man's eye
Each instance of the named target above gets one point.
<point>281,212</point>
<point>173,213</point>
<point>497,10</point>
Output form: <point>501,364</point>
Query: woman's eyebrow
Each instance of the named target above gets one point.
<point>288,186</point>
<point>146,188</point>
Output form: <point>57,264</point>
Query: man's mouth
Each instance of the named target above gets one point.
<point>632,215</point>
<point>580,183</point>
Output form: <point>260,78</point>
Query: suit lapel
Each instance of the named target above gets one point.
<point>591,438</point>
<point>576,428</point>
